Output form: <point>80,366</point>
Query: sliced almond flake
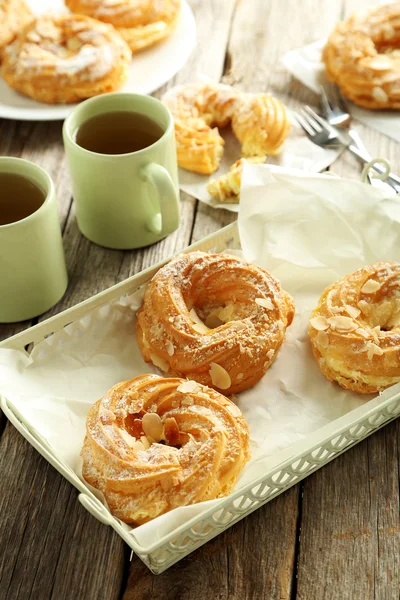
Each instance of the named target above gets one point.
<point>281,325</point>
<point>270,353</point>
<point>353,311</point>
<point>375,332</point>
<point>364,306</point>
<point>363,332</point>
<point>370,286</point>
<point>195,317</point>
<point>152,426</point>
<point>234,410</point>
<point>170,347</point>
<point>322,339</point>
<point>187,401</point>
<point>127,438</point>
<point>342,323</point>
<point>219,376</point>
<point>265,303</point>
<point>239,376</point>
<point>138,446</point>
<point>188,387</point>
<point>372,349</point>
<point>240,325</point>
<point>226,313</point>
<point>159,362</point>
<point>145,441</point>
<point>319,323</point>
<point>200,328</point>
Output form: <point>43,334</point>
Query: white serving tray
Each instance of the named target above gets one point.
<point>286,468</point>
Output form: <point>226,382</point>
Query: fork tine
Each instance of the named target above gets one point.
<point>308,130</point>
<point>318,123</point>
<point>326,107</point>
<point>340,101</point>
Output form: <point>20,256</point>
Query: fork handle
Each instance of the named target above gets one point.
<point>392,179</point>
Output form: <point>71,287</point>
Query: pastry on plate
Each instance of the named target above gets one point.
<point>362,56</point>
<point>213,318</point>
<point>14,15</point>
<point>66,58</point>
<point>227,187</point>
<point>142,23</point>
<point>154,444</point>
<point>259,121</point>
<point>355,329</point>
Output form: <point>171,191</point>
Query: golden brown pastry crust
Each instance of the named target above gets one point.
<point>213,318</point>
<point>227,187</point>
<point>355,329</point>
<point>206,446</point>
<point>142,23</point>
<point>362,56</point>
<point>66,58</point>
<point>14,15</point>
<point>259,121</point>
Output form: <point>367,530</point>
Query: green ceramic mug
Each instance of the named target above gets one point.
<point>33,276</point>
<point>128,200</point>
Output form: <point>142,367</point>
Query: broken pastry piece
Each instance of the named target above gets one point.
<point>227,187</point>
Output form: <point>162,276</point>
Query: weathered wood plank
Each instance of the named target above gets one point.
<point>252,560</point>
<point>51,547</point>
<point>350,534</point>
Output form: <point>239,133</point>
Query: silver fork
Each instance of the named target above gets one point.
<point>335,111</point>
<point>323,134</point>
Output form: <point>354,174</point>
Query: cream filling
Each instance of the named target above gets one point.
<point>338,368</point>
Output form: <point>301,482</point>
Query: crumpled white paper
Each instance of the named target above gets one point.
<point>305,64</point>
<point>306,229</point>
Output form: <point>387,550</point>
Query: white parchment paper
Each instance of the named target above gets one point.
<point>305,64</point>
<point>308,230</point>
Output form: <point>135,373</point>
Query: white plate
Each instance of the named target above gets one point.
<point>150,69</point>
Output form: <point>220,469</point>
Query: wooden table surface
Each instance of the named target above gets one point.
<point>334,536</point>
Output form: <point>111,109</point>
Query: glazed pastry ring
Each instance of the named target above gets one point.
<point>213,318</point>
<point>153,444</point>
<point>66,58</point>
<point>355,329</point>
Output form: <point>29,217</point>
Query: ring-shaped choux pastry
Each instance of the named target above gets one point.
<point>153,444</point>
<point>213,318</point>
<point>362,55</point>
<point>142,23</point>
<point>355,329</point>
<point>259,121</point>
<point>66,58</point>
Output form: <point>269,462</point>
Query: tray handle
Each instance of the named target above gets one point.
<point>96,509</point>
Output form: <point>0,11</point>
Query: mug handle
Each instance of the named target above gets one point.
<point>168,200</point>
